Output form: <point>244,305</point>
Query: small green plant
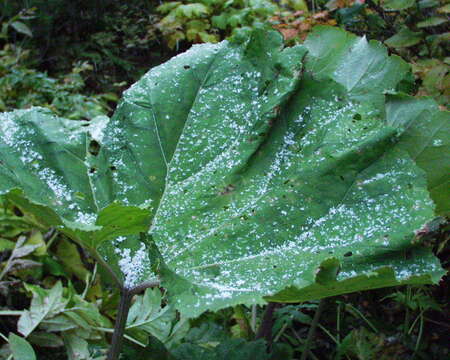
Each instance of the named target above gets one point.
<point>21,86</point>
<point>210,21</point>
<point>244,172</point>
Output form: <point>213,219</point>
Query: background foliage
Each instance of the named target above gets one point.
<point>76,57</point>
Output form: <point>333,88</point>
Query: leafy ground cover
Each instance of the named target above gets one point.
<point>71,302</point>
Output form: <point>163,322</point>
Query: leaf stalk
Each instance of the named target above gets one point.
<point>119,326</point>
<point>312,330</point>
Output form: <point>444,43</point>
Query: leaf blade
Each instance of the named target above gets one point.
<point>20,348</point>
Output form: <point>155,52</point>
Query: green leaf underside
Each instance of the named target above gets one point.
<point>260,169</point>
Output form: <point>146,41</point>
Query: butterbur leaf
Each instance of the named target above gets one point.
<point>362,67</point>
<point>266,173</point>
<point>48,159</point>
<point>426,138</point>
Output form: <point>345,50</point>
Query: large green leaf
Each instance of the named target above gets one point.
<point>46,166</point>
<point>266,174</point>
<point>426,138</point>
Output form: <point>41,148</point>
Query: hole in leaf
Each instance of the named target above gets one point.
<point>227,189</point>
<point>112,168</point>
<point>186,67</point>
<point>342,178</point>
<point>94,148</point>
<point>347,254</point>
<point>357,117</point>
<point>92,170</point>
<point>17,212</point>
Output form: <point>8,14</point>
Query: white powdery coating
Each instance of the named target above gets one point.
<point>55,184</point>
<point>8,129</point>
<point>85,218</point>
<point>120,239</point>
<point>97,126</point>
<point>262,253</point>
<point>134,266</point>
<point>17,135</point>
